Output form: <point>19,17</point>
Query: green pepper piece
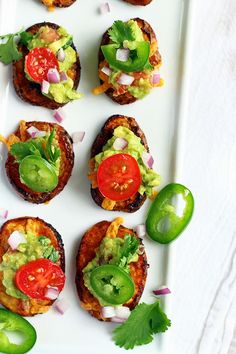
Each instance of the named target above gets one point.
<point>38,174</point>
<point>112,284</point>
<point>137,61</point>
<point>10,321</point>
<point>164,221</point>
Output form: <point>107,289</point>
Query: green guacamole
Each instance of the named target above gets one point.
<point>34,248</point>
<point>134,148</point>
<point>62,92</point>
<point>109,252</point>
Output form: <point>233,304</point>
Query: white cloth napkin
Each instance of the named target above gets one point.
<point>219,333</point>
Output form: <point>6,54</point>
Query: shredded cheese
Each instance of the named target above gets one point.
<point>108,204</point>
<point>101,89</point>
<point>114,227</point>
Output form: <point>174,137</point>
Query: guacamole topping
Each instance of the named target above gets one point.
<point>134,148</point>
<point>34,248</point>
<point>62,92</point>
<point>115,251</point>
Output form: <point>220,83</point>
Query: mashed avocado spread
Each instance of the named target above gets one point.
<point>134,148</point>
<point>62,92</point>
<point>115,251</point>
<point>34,248</point>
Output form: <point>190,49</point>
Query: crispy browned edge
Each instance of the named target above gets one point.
<point>66,166</point>
<point>134,203</point>
<point>127,98</point>
<point>61,3</point>
<point>28,90</point>
<point>139,2</point>
<point>87,251</point>
<point>29,307</point>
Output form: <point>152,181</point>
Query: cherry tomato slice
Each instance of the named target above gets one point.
<point>38,62</point>
<point>119,177</point>
<point>35,277</point>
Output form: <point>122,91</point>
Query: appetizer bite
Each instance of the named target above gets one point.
<point>58,3</point>
<point>139,2</point>
<point>111,270</point>
<point>121,171</point>
<point>40,160</point>
<point>129,61</point>
<point>32,265</point>
<point>46,66</point>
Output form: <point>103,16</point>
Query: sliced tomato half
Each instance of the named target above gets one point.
<point>38,62</point>
<point>119,177</point>
<point>35,277</point>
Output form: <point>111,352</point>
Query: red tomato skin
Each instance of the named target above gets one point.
<point>119,177</point>
<point>37,63</point>
<point>35,277</point>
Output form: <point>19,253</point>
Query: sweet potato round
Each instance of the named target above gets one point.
<point>59,3</point>
<point>87,250</point>
<point>28,307</point>
<point>155,59</point>
<point>66,165</point>
<point>30,91</point>
<point>135,202</point>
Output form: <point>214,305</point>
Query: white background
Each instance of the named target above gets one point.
<point>203,308</point>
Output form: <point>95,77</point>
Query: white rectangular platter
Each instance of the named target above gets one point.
<point>73,211</point>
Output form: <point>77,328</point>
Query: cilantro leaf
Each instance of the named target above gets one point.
<point>26,37</point>
<point>9,51</point>
<point>127,251</point>
<point>144,321</point>
<point>53,153</point>
<point>120,31</point>
<point>40,146</point>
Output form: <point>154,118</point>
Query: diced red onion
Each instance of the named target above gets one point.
<point>108,312</point>
<point>120,144</point>
<point>117,319</point>
<point>53,76</point>
<point>156,78</point>
<point>45,87</point>
<point>125,79</point>
<point>61,55</point>
<point>58,115</point>
<point>141,230</point>
<point>163,290</point>
<point>52,293</point>
<point>122,312</point>
<point>78,137</point>
<point>63,76</point>
<point>61,306</point>
<point>122,54</point>
<point>105,8</point>
<point>5,214</point>
<point>15,239</point>
<point>147,159</point>
<point>106,70</point>
<point>35,133</point>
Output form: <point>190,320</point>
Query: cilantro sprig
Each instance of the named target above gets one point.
<point>120,31</point>
<point>9,50</point>
<point>127,251</point>
<point>42,147</point>
<point>144,321</point>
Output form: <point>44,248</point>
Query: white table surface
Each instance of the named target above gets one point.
<point>204,294</point>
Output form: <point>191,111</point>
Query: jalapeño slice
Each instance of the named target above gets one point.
<point>136,62</point>
<point>38,174</point>
<point>170,213</point>
<point>112,284</point>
